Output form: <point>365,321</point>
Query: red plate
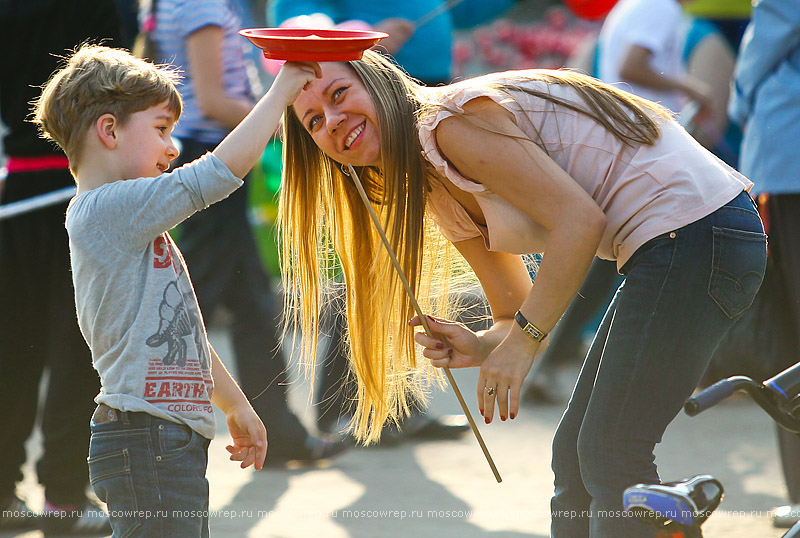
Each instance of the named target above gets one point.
<point>312,44</point>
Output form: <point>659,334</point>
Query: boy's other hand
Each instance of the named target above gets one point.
<point>293,78</point>
<point>249,438</point>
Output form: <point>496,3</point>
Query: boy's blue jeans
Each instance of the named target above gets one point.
<point>682,292</point>
<point>151,473</point>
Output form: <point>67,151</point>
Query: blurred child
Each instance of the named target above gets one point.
<point>113,115</point>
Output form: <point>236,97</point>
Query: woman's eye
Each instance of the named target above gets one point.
<point>313,123</point>
<point>338,92</point>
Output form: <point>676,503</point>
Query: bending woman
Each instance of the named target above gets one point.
<point>508,164</point>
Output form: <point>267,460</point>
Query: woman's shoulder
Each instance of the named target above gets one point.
<point>486,99</point>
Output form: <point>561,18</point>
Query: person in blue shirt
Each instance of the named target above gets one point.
<point>423,48</point>
<point>766,103</point>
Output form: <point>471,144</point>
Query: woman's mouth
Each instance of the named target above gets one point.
<point>351,138</point>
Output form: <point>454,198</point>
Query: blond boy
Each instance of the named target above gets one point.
<point>113,115</point>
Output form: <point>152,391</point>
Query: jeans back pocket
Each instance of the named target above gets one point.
<point>740,259</point>
<point>111,478</point>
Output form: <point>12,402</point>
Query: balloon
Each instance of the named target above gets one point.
<point>590,9</point>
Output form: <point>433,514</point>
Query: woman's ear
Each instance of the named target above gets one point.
<point>106,128</point>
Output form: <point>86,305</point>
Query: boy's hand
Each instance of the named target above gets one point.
<point>249,437</point>
<point>293,78</point>
<point>243,147</point>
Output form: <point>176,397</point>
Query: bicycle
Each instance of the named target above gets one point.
<point>679,509</point>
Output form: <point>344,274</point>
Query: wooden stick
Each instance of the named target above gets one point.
<point>422,317</point>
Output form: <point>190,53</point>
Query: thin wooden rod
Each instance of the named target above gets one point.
<point>422,317</point>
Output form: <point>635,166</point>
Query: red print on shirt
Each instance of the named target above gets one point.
<point>181,389</point>
<point>163,256</point>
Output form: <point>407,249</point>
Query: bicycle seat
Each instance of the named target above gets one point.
<point>687,502</point>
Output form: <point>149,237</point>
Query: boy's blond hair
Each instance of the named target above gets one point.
<point>99,80</point>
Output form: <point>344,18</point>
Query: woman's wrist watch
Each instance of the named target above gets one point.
<point>529,328</point>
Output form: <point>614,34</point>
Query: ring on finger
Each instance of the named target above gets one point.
<point>490,391</point>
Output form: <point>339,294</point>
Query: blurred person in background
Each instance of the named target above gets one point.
<point>39,331</point>
<point>639,44</point>
<point>766,103</point>
<point>420,31</point>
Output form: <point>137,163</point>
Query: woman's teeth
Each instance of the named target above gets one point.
<point>352,136</point>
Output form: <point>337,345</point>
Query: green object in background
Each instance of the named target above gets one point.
<point>272,166</point>
<point>719,9</point>
<point>265,183</point>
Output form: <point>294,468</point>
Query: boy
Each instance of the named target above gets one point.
<point>113,115</point>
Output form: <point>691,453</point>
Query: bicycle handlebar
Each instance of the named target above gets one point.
<point>710,396</point>
<point>777,396</point>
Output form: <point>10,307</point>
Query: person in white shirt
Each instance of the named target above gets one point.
<point>639,45</point>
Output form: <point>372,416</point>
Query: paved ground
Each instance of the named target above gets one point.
<point>446,489</point>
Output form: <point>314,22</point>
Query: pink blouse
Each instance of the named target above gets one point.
<point>643,191</point>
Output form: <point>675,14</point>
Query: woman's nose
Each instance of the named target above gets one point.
<point>334,120</point>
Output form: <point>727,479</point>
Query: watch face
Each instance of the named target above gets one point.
<point>534,332</point>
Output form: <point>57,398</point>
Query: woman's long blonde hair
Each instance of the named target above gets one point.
<point>323,224</point>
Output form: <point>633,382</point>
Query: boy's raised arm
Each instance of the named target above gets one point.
<point>244,145</point>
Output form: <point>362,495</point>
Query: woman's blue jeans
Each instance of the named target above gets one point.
<point>682,292</point>
<point>151,473</point>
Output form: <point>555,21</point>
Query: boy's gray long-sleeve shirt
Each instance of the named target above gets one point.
<point>135,302</point>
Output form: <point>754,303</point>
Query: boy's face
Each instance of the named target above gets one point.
<point>145,142</point>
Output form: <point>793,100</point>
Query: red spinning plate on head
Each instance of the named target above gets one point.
<point>312,44</point>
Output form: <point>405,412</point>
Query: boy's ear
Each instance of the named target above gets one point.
<point>106,127</point>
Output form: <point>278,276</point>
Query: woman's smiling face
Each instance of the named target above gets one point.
<point>340,116</point>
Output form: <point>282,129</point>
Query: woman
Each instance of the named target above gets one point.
<point>506,164</point>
